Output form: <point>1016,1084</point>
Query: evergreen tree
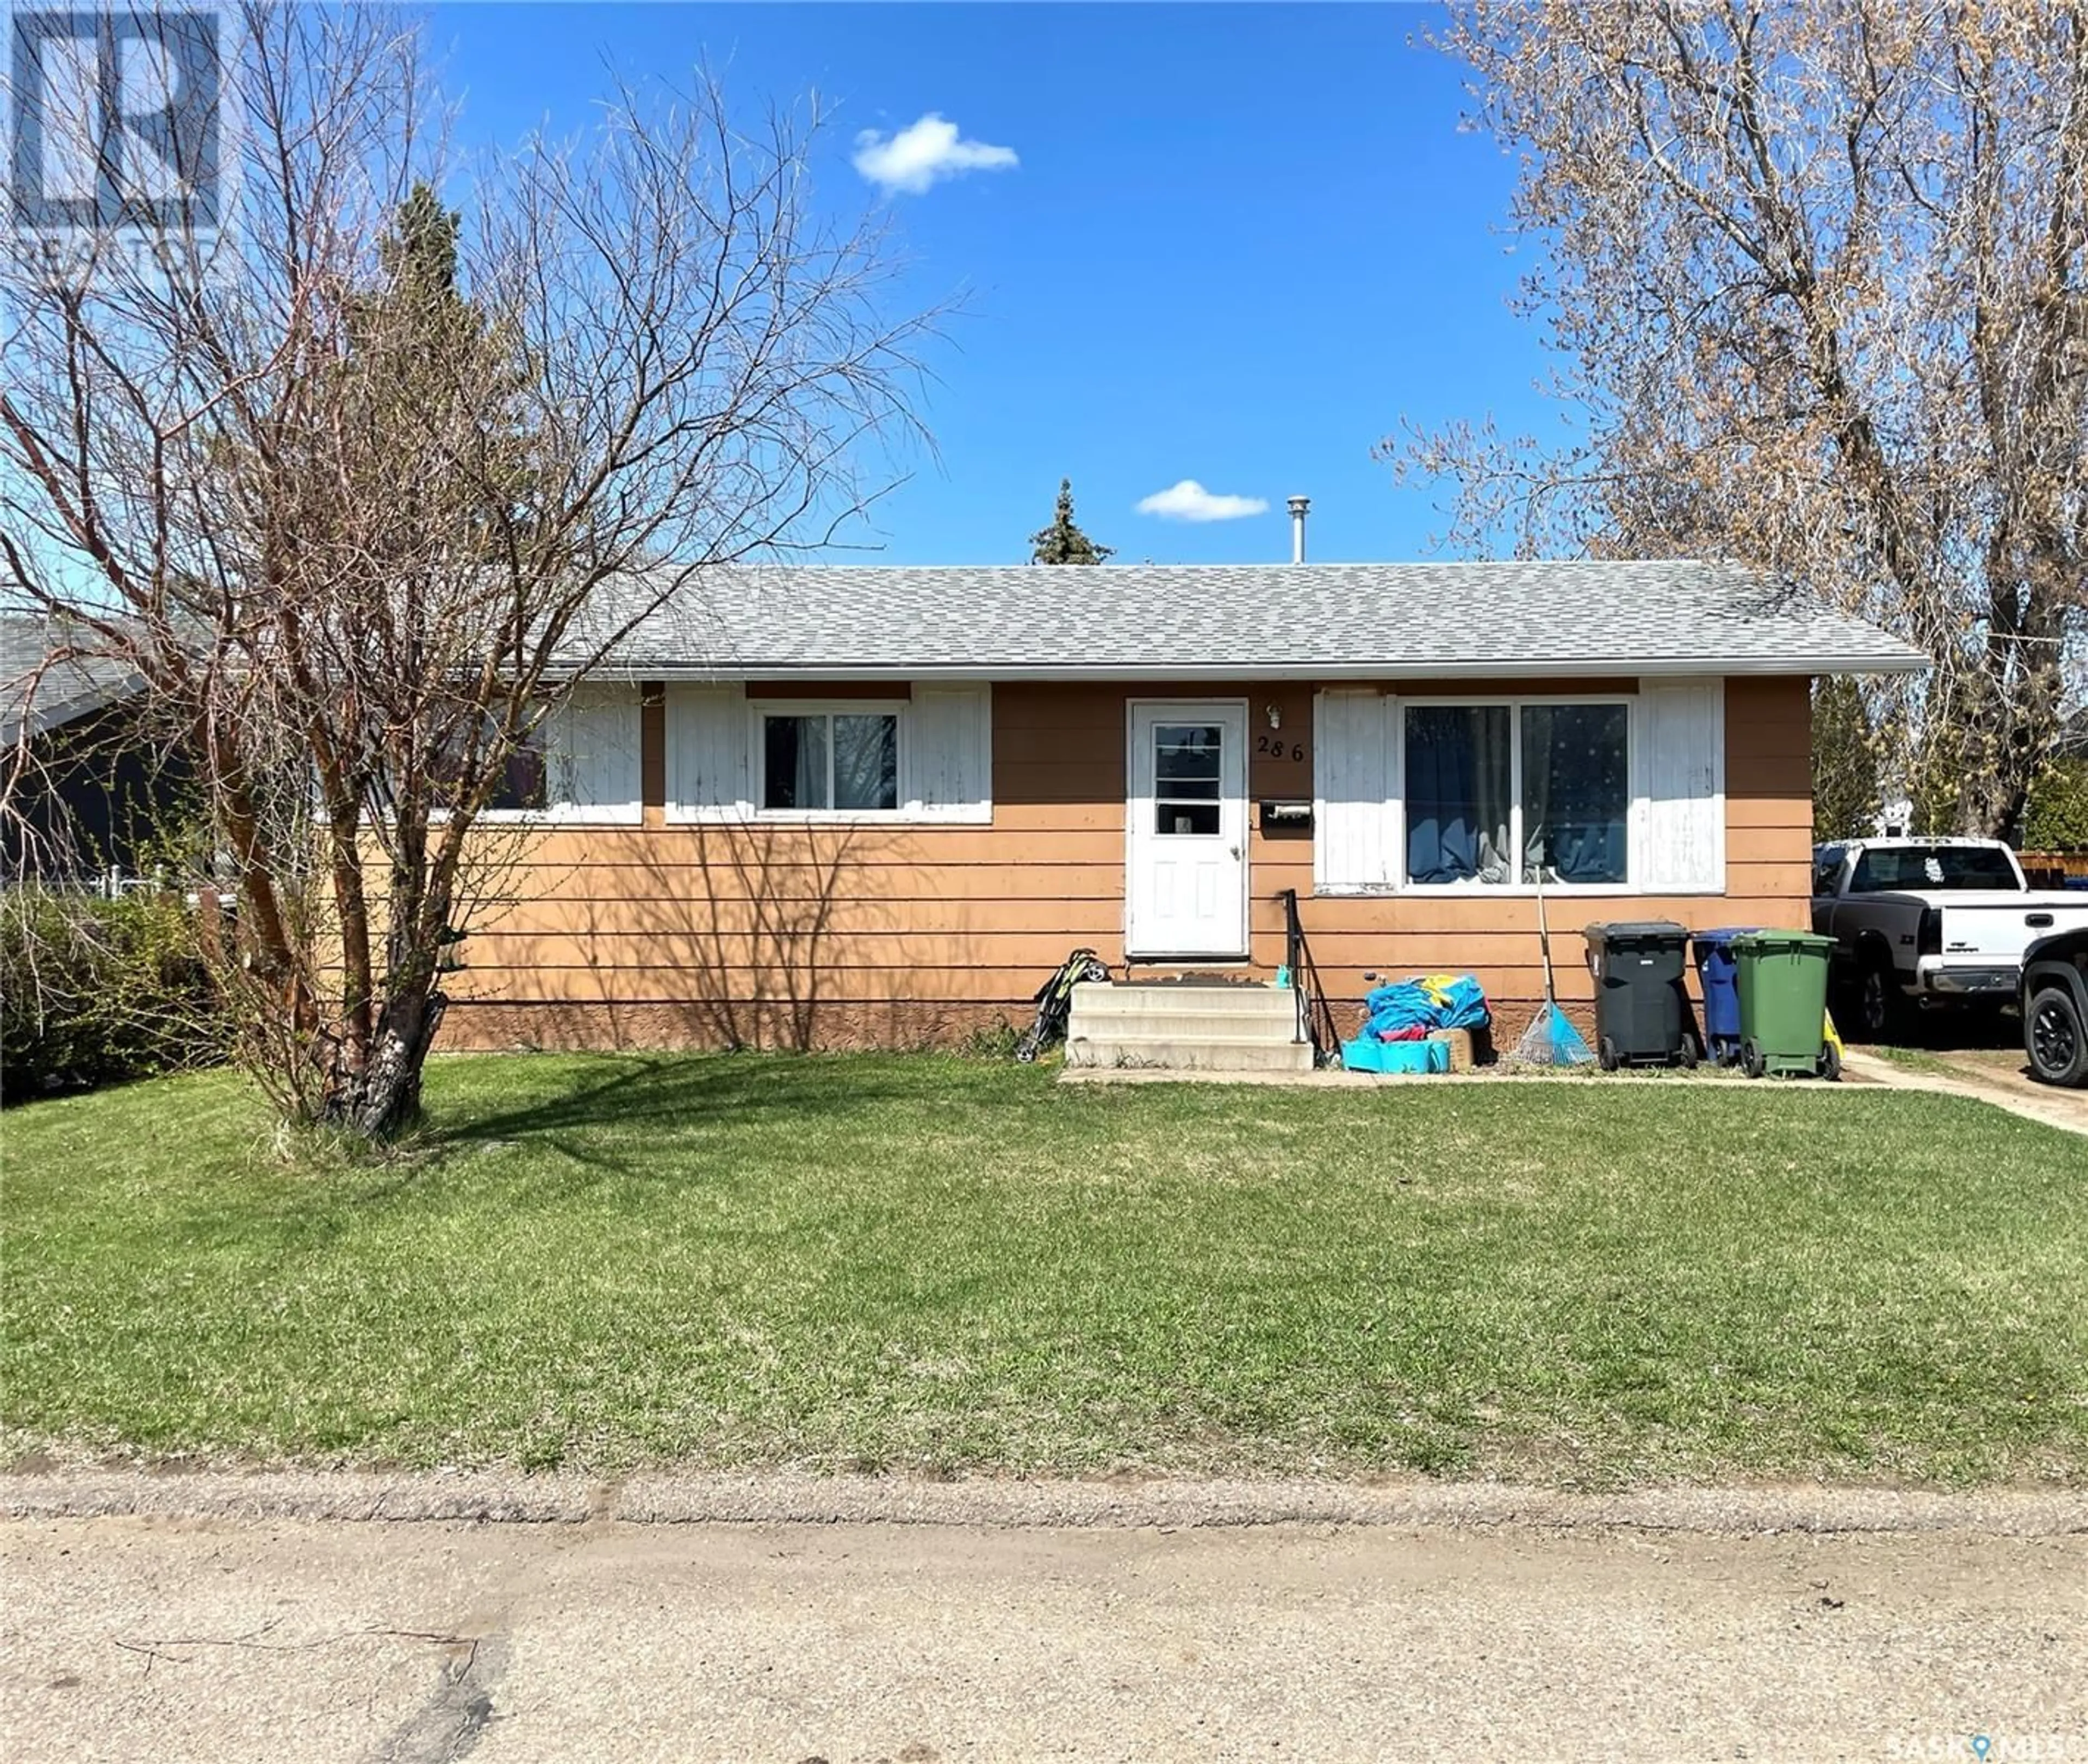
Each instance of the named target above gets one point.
<point>420,253</point>
<point>426,358</point>
<point>1062,541</point>
<point>2057,818</point>
<point>1847,792</point>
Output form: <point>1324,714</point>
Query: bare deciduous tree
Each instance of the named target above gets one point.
<point>1816,275</point>
<point>349,502</point>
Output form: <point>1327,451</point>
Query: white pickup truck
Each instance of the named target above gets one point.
<point>1929,921</point>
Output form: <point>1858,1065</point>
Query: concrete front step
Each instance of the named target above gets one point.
<point>1094,1000</point>
<point>1263,1035</point>
<point>1203,1054</point>
<point>1187,1028</point>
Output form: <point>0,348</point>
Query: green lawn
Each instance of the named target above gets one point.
<point>936,1265</point>
<point>1913,1059</point>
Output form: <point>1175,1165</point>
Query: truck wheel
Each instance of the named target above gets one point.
<point>2055,1039</point>
<point>1880,1007</point>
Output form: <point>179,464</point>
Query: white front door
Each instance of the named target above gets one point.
<point>1186,857</point>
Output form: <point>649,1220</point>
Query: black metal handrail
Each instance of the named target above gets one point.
<point>1315,1016</point>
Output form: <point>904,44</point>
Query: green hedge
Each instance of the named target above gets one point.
<point>92,991</point>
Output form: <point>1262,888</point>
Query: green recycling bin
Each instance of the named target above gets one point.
<point>1783,1004</point>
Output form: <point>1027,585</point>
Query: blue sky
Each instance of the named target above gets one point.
<point>1238,244</point>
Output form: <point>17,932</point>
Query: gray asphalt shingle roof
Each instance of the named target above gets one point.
<point>64,690</point>
<point>1323,620</point>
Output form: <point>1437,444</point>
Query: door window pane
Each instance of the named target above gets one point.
<point>1199,818</point>
<point>1575,791</point>
<point>1188,771</point>
<point>866,761</point>
<point>794,762</point>
<point>1457,807</point>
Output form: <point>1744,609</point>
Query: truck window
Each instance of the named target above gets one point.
<point>1932,867</point>
<point>1826,866</point>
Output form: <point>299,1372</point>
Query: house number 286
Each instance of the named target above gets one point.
<point>1276,748</point>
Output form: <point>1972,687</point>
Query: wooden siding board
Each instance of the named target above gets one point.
<point>894,949</point>
<point>605,922</point>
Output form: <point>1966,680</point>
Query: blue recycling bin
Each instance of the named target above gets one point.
<point>1718,973</point>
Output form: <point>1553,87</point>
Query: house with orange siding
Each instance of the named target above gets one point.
<point>815,806</point>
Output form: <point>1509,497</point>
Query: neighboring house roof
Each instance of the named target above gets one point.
<point>1237,622</point>
<point>63,693</point>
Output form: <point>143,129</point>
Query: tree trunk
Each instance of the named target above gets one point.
<point>384,1098</point>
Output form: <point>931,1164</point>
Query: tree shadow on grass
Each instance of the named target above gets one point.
<point>674,1091</point>
<point>573,1139</point>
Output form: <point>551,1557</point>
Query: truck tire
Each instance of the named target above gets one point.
<point>2055,1039</point>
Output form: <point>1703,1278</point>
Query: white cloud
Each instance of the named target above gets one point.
<point>1189,501</point>
<point>923,154</point>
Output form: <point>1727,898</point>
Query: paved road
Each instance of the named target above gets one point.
<point>162,1640</point>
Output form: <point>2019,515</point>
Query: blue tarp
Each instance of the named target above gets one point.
<point>1428,1001</point>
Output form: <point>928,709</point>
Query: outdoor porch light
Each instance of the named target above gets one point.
<point>1275,715</point>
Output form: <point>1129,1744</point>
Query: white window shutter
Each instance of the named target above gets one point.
<point>947,740</point>
<point>591,742</point>
<point>1355,791</point>
<point>1680,764</point>
<point>707,763</point>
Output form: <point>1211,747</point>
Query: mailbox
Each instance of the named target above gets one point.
<point>1291,816</point>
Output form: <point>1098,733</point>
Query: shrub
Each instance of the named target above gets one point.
<point>92,991</point>
<point>2056,819</point>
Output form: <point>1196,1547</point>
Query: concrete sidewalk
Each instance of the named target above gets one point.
<point>166,1640</point>
<point>798,1497</point>
<point>2065,1109</point>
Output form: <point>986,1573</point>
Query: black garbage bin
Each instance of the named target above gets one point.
<point>1641,1012</point>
